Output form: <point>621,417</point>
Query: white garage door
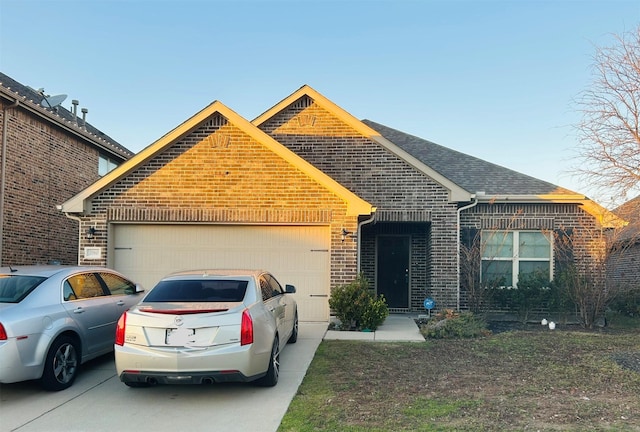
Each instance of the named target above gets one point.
<point>296,255</point>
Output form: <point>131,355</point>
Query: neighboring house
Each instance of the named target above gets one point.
<point>48,155</point>
<point>316,196</point>
<point>624,258</point>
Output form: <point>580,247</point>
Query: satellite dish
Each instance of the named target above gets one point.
<point>53,101</point>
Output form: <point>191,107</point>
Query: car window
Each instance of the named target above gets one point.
<point>82,286</point>
<point>202,290</point>
<point>15,288</point>
<point>265,288</point>
<point>117,285</point>
<point>276,289</point>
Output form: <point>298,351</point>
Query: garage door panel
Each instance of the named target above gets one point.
<point>297,255</point>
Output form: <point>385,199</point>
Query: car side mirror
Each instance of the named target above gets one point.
<point>289,289</point>
<point>139,288</point>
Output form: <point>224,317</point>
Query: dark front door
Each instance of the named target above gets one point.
<point>393,270</point>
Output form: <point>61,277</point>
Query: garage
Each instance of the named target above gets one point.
<point>297,255</point>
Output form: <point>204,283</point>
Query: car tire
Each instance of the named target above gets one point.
<point>294,333</point>
<point>271,378</point>
<point>61,364</point>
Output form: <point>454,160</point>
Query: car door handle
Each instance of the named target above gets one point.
<point>78,310</point>
<point>120,303</point>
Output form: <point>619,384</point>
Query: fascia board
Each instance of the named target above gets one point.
<point>80,203</point>
<point>48,116</point>
<point>604,217</point>
<point>457,194</point>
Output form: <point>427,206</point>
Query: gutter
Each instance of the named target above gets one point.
<point>360,224</point>
<point>460,210</point>
<point>5,125</point>
<point>77,219</point>
<point>67,126</point>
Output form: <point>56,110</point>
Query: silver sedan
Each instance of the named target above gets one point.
<point>53,318</point>
<point>207,326</point>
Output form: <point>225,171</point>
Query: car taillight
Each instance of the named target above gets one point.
<point>246,328</point>
<point>3,333</point>
<point>120,328</point>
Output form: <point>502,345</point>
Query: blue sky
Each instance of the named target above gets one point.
<point>493,79</point>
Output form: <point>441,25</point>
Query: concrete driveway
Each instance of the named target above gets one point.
<point>98,401</point>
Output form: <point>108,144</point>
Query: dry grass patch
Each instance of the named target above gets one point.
<point>549,381</point>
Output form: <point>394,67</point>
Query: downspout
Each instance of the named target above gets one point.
<point>77,219</point>
<point>360,224</point>
<point>460,210</point>
<point>5,124</point>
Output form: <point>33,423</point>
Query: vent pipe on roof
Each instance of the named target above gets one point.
<point>84,117</point>
<point>75,110</point>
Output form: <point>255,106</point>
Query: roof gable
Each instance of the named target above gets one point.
<point>81,202</point>
<point>457,193</point>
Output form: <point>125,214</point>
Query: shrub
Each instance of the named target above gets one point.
<point>453,325</point>
<point>533,292</point>
<point>375,313</point>
<point>356,307</point>
<point>628,302</point>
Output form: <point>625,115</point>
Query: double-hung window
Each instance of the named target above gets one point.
<point>508,254</point>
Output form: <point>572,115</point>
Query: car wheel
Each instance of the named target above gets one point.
<point>294,333</point>
<point>271,378</point>
<point>61,364</point>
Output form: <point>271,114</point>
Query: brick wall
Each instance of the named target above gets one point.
<point>624,266</point>
<point>218,174</point>
<point>383,179</point>
<point>552,218</point>
<point>45,167</point>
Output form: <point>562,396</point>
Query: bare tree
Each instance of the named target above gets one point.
<point>609,131</point>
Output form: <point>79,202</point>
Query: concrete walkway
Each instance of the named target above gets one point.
<point>396,328</point>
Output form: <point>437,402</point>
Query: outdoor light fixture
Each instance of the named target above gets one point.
<point>91,232</point>
<point>346,233</point>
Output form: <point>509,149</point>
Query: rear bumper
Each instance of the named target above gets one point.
<point>186,366</point>
<point>212,377</point>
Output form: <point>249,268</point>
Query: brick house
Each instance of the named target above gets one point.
<point>318,196</point>
<point>624,259</point>
<point>48,155</point>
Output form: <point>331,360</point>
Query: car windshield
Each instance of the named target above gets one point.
<point>205,290</point>
<point>14,288</point>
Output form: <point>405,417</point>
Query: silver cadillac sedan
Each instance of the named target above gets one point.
<point>54,318</point>
<point>207,326</point>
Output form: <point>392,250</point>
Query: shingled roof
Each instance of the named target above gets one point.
<point>630,211</point>
<point>471,173</point>
<point>12,89</point>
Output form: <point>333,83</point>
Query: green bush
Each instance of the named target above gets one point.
<point>453,325</point>
<point>628,302</point>
<point>534,292</point>
<point>356,307</point>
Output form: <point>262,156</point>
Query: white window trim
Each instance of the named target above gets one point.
<point>515,259</point>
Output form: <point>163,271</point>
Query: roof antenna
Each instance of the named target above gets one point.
<point>12,269</point>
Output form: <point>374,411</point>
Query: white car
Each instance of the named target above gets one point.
<point>207,326</point>
<point>53,318</point>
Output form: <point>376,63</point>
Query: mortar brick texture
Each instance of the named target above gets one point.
<point>219,174</point>
<point>383,179</point>
<point>45,167</point>
<point>545,217</point>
